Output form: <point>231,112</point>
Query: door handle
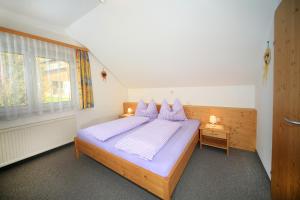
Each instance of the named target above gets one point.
<point>292,122</point>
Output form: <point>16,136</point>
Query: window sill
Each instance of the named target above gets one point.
<point>27,121</point>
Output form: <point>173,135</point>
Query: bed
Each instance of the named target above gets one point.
<point>160,175</point>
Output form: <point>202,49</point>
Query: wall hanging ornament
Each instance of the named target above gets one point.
<point>103,74</point>
<point>267,60</point>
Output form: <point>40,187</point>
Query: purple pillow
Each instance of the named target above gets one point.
<point>151,111</point>
<point>179,111</point>
<point>165,105</point>
<point>140,109</point>
<point>143,111</point>
<point>176,114</point>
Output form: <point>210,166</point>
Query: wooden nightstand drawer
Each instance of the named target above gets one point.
<point>214,133</point>
<point>215,136</point>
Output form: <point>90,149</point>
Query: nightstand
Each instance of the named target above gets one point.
<point>215,136</point>
<point>125,115</point>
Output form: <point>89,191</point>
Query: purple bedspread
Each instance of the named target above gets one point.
<point>164,160</point>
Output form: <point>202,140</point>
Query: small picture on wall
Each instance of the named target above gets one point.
<point>267,60</point>
<point>103,75</point>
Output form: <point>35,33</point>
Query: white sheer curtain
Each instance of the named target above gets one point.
<point>36,77</point>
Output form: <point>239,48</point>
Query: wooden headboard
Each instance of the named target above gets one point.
<point>242,122</point>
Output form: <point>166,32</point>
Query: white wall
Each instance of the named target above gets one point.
<point>116,41</point>
<point>264,104</point>
<point>25,137</point>
<point>177,43</point>
<point>108,95</point>
<point>227,96</point>
<point>29,25</point>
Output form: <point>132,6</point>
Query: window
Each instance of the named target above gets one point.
<point>12,80</point>
<point>55,80</point>
<point>35,77</point>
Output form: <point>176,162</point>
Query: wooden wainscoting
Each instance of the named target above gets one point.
<point>241,121</point>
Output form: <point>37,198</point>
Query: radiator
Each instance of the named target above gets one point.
<point>24,141</point>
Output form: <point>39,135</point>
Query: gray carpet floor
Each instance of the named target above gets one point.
<point>209,175</point>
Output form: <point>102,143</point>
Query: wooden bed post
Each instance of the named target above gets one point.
<point>77,154</point>
<point>167,192</point>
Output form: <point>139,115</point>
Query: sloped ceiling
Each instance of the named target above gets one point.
<point>55,12</point>
<point>164,43</point>
<point>168,43</point>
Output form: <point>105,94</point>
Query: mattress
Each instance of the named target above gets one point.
<point>163,161</point>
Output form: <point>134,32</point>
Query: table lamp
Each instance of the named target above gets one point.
<point>213,120</point>
<point>129,110</point>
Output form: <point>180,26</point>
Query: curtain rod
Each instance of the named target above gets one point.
<point>36,37</point>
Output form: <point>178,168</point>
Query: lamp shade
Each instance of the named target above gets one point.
<point>212,119</point>
<point>129,110</point>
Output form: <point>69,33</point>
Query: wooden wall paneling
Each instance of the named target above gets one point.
<point>241,121</point>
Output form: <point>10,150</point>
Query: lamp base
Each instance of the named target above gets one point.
<point>212,125</point>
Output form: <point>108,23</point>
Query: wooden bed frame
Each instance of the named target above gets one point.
<point>162,187</point>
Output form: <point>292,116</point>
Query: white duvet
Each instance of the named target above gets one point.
<point>107,130</point>
<point>148,140</point>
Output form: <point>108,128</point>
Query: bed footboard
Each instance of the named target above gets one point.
<point>162,187</point>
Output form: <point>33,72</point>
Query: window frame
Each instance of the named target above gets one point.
<point>34,101</point>
<point>26,102</point>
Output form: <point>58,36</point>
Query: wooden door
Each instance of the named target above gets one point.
<point>285,178</point>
